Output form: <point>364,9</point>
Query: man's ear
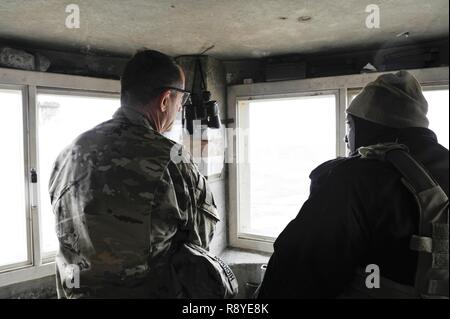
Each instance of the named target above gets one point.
<point>164,101</point>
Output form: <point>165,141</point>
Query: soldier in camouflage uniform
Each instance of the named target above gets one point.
<point>122,202</point>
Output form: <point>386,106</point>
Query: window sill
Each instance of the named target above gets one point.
<point>15,276</point>
<point>246,266</point>
<point>234,256</point>
<point>255,243</point>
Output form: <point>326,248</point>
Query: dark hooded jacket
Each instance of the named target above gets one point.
<point>358,213</point>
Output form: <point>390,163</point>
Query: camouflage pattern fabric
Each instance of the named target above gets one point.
<point>123,206</point>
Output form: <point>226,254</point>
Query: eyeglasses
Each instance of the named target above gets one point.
<point>186,94</point>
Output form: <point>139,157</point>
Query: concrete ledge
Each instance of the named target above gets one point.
<point>234,256</point>
<point>246,266</point>
<point>42,288</point>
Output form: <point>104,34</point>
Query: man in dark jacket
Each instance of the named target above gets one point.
<point>359,213</point>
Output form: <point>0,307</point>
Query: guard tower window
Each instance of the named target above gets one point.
<point>62,117</point>
<point>281,142</point>
<point>14,241</point>
<point>438,106</point>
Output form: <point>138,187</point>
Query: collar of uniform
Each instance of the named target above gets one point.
<point>133,116</point>
<point>412,137</point>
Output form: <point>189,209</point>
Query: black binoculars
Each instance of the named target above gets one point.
<point>200,107</point>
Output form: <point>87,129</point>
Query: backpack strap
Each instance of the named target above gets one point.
<point>431,242</point>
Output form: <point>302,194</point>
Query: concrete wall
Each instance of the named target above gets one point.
<point>215,77</point>
<point>214,72</point>
<point>412,56</point>
<point>43,288</point>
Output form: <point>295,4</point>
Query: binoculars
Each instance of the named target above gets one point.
<point>200,107</point>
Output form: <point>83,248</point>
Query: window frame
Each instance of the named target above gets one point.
<point>436,86</point>
<point>28,211</point>
<point>29,82</point>
<point>344,85</point>
<point>48,257</point>
<point>275,97</point>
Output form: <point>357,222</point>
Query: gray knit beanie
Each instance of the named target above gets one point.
<point>393,100</point>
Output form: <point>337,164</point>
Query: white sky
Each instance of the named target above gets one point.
<point>288,138</point>
<point>13,237</point>
<point>438,106</point>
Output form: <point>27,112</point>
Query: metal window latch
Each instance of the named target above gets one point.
<point>33,175</point>
<point>34,193</point>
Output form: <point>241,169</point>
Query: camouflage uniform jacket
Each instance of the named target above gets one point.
<point>122,205</point>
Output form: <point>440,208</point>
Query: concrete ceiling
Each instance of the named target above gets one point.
<point>236,28</point>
